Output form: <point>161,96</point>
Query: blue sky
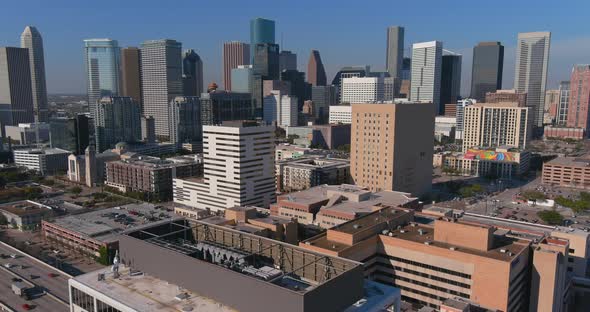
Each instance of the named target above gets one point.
<point>345,32</point>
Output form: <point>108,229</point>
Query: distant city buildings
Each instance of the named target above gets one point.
<point>306,172</point>
<point>280,109</point>
<point>117,119</point>
<point>367,90</point>
<point>16,93</point>
<point>235,54</point>
<point>218,106</point>
<point>487,69</point>
<point>316,74</point>
<point>28,133</point>
<point>460,116</point>
<point>70,133</point>
<point>579,101</point>
<point>426,73</point>
<point>131,73</point>
<point>564,100</point>
<point>340,114</point>
<point>261,31</point>
<point>287,61</point>
<point>322,98</point>
<point>192,73</point>
<point>241,79</point>
<point>31,39</point>
<point>450,87</point>
<point>102,58</point>
<point>45,161</point>
<point>395,51</point>
<point>184,113</point>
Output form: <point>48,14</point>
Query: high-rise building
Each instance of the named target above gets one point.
<point>501,96</point>
<point>71,134</point>
<point>367,90</point>
<point>348,72</point>
<point>185,120</point>
<point>131,73</point>
<point>192,73</point>
<point>102,58</point>
<point>340,114</point>
<point>450,82</point>
<point>426,73</point>
<point>564,100</point>
<point>16,94</point>
<point>494,125</point>
<point>234,54</point>
<point>323,97</point>
<point>532,59</point>
<point>395,51</point>
<point>161,74</point>
<point>261,31</point>
<point>117,120</point>
<point>241,79</point>
<point>299,88</point>
<point>551,106</point>
<point>316,74</point>
<point>460,115</point>
<point>382,158</point>
<point>218,106</point>
<point>251,182</point>
<point>148,129</point>
<point>280,108</point>
<point>287,61</point>
<point>579,111</point>
<point>487,68</point>
<point>406,69</point>
<point>32,40</point>
<point>265,67</point>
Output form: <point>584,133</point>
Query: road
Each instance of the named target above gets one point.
<point>57,285</point>
<point>40,302</point>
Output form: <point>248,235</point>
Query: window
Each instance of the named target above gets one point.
<point>103,307</point>
<point>570,259</point>
<point>82,299</point>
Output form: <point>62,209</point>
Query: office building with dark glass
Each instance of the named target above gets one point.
<point>486,72</point>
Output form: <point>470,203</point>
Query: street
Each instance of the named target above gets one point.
<point>39,302</point>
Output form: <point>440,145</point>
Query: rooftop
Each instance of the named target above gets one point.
<point>315,162</point>
<point>146,293</point>
<point>42,151</point>
<point>24,208</point>
<point>571,161</point>
<point>105,225</point>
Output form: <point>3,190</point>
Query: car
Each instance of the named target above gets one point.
<point>52,275</point>
<point>13,256</point>
<point>27,307</point>
<point>16,279</point>
<point>8,265</point>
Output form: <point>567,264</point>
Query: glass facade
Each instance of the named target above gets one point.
<point>261,31</point>
<point>102,69</point>
<point>486,71</point>
<point>241,79</point>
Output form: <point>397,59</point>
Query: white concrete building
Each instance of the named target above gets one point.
<point>427,72</point>
<point>367,89</point>
<point>239,168</point>
<point>185,191</point>
<point>460,115</point>
<point>444,126</point>
<point>45,161</point>
<point>340,114</point>
<point>280,108</point>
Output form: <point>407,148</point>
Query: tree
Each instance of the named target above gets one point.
<point>344,148</point>
<point>76,190</point>
<point>551,217</point>
<point>533,195</point>
<point>103,257</point>
<point>3,220</point>
<point>32,192</point>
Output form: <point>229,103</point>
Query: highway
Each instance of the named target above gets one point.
<point>49,279</point>
<point>40,302</point>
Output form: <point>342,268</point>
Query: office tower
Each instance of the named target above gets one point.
<point>32,40</point>
<point>16,93</point>
<point>532,58</point>
<point>487,68</point>
<point>148,129</point>
<point>579,101</point>
<point>450,82</point>
<point>192,73</point>
<point>117,120</point>
<point>218,106</point>
<point>511,95</point>
<point>564,100</point>
<point>261,31</point>
<point>287,61</point>
<point>460,115</point>
<point>71,134</point>
<point>323,97</point>
<point>265,67</point>
<point>253,147</point>
<point>298,86</point>
<point>348,72</point>
<point>488,125</point>
<point>241,79</point>
<point>234,54</point>
<point>426,73</point>
<point>367,90</point>
<point>406,69</point>
<point>185,120</point>
<point>102,58</point>
<point>161,75</point>
<point>395,51</point>
<point>316,74</point>
<point>131,73</point>
<point>280,108</point>
<point>383,155</point>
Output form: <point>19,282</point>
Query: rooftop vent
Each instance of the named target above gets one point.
<point>427,243</point>
<point>452,248</point>
<point>421,231</point>
<point>356,226</point>
<point>402,231</point>
<point>503,250</point>
<point>384,232</point>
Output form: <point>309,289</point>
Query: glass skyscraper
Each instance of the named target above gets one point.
<point>102,70</point>
<point>261,31</point>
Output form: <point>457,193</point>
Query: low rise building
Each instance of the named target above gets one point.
<point>79,165</point>
<point>28,133</point>
<point>324,136</point>
<point>563,133</point>
<point>503,163</point>
<point>444,127</point>
<point>303,173</point>
<point>330,205</point>
<point>46,161</point>
<point>340,114</point>
<point>568,171</point>
<point>25,215</point>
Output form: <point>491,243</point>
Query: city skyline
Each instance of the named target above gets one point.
<point>63,44</point>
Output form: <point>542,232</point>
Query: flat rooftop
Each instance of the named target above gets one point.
<point>147,293</point>
<point>570,161</point>
<point>316,162</point>
<point>105,225</point>
<point>24,208</point>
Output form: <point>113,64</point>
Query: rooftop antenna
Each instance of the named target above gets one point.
<point>115,268</point>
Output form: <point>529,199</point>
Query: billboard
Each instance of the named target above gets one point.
<point>489,155</point>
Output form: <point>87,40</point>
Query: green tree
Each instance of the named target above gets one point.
<point>551,217</point>
<point>103,257</point>
<point>76,190</point>
<point>533,195</point>
<point>344,148</point>
<point>32,192</point>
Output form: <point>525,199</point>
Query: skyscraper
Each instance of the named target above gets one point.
<point>316,74</point>
<point>564,100</point>
<point>532,58</point>
<point>299,88</point>
<point>450,81</point>
<point>323,97</point>
<point>265,67</point>
<point>234,54</point>
<point>395,51</point>
<point>131,73</point>
<point>118,119</point>
<point>382,157</point>
<point>287,61</point>
<point>579,111</point>
<point>16,95</point>
<point>161,75</point>
<point>261,31</point>
<point>241,79</point>
<point>426,73</point>
<point>102,70</point>
<point>192,73</point>
<point>70,134</point>
<point>185,120</point>
<point>486,71</point>
<point>32,40</point>
<point>280,108</point>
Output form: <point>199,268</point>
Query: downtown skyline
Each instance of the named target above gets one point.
<point>296,32</point>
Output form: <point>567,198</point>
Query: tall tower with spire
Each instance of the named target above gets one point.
<point>31,39</point>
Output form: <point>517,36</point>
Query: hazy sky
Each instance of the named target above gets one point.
<point>345,32</point>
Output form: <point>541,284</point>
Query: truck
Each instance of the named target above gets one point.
<point>20,289</point>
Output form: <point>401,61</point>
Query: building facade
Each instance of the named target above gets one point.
<point>16,93</point>
<point>102,58</point>
<point>579,101</point>
<point>185,120</point>
<point>487,69</point>
<point>287,60</point>
<point>316,74</point>
<point>499,163</point>
<point>395,51</point>
<point>450,81</point>
<point>564,100</point>
<point>117,120</point>
<point>72,134</point>
<point>567,172</point>
<point>31,39</point>
<point>367,90</point>
<point>280,109</point>
<point>192,73</point>
<point>48,161</point>
<point>323,97</point>
<point>131,73</point>
<point>501,96</point>
<point>235,54</point>
<point>340,114</point>
<point>241,79</point>
<point>426,73</point>
<point>220,106</point>
<point>303,173</point>
<point>460,116</point>
<point>261,31</point>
